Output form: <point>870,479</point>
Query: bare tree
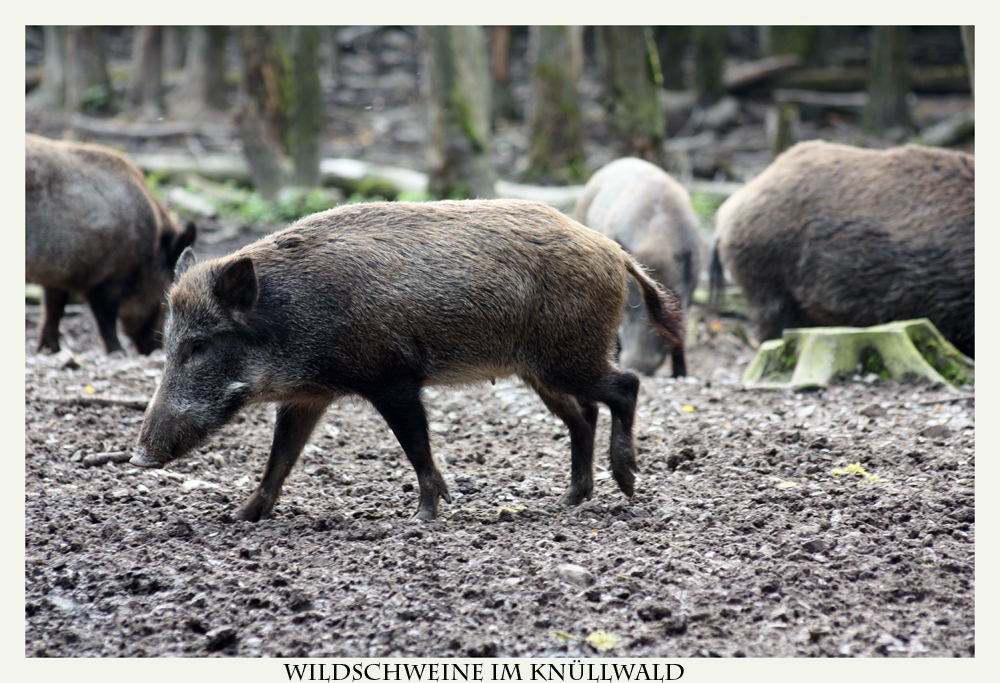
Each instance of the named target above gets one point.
<point>710,51</point>
<point>888,79</point>
<point>503,98</point>
<point>258,111</point>
<point>203,91</point>
<point>88,84</point>
<point>969,41</point>
<point>556,153</point>
<point>145,88</point>
<point>631,92</point>
<point>304,119</point>
<point>52,90</point>
<point>455,92</point>
<point>174,39</point>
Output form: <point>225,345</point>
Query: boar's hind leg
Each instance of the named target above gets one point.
<point>581,418</point>
<point>677,363</point>
<point>48,330</point>
<point>619,391</point>
<point>294,424</point>
<point>400,405</point>
<point>105,308</point>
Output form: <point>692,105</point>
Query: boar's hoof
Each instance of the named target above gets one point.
<point>626,482</point>
<point>576,494</point>
<point>423,515</point>
<point>142,459</point>
<point>257,507</point>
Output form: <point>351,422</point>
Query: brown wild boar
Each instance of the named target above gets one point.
<point>649,213</point>
<point>835,235</point>
<point>93,228</point>
<point>381,299</point>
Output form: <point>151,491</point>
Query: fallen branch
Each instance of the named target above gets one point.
<point>95,459</point>
<point>134,403</point>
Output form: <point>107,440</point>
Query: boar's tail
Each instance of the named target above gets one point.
<point>716,281</point>
<point>663,308</point>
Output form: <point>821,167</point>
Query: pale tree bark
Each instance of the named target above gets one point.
<point>203,91</point>
<point>556,153</point>
<point>258,110</point>
<point>304,103</point>
<point>88,84</point>
<point>145,88</point>
<point>174,38</point>
<point>630,89</point>
<point>455,90</point>
<point>969,41</point>
<point>888,79</point>
<point>51,92</point>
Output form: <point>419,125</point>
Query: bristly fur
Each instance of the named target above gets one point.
<point>378,300</point>
<point>835,235</point>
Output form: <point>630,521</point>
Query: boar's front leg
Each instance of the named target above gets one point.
<point>400,405</point>
<point>295,422</point>
<point>48,331</point>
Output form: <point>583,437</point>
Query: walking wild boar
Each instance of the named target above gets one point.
<point>834,235</point>
<point>379,300</point>
<point>93,228</point>
<point>647,212</point>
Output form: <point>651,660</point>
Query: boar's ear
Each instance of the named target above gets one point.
<point>185,261</point>
<point>173,243</point>
<point>236,285</point>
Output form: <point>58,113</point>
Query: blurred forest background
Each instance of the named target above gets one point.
<point>257,125</point>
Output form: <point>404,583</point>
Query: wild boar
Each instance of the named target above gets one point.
<point>379,300</point>
<point>649,213</point>
<point>835,235</point>
<point>93,228</point>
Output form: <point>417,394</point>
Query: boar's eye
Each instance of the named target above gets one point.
<point>198,345</point>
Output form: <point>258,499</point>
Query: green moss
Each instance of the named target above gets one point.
<point>705,205</point>
<point>946,364</point>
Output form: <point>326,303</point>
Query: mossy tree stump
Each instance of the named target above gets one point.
<point>812,357</point>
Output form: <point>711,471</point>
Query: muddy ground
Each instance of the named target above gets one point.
<point>742,539</point>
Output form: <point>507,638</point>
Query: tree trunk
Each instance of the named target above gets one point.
<point>888,79</point>
<point>503,99</point>
<point>969,41</point>
<point>710,53</point>
<point>88,85</point>
<point>556,154</point>
<point>670,43</point>
<point>304,103</point>
<point>258,111</point>
<point>455,92</point>
<point>52,91</point>
<point>145,88</point>
<point>204,91</point>
<point>631,92</point>
<point>332,53</point>
<point>173,47</point>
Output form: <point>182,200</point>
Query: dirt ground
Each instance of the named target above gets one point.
<point>741,540</point>
<point>838,523</point>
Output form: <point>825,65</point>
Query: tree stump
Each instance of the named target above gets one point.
<point>812,357</point>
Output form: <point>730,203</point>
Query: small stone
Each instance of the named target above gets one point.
<point>575,574</point>
<point>220,638</point>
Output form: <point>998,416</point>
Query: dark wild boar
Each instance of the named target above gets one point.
<point>93,228</point>
<point>647,212</point>
<point>834,235</point>
<point>379,300</point>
